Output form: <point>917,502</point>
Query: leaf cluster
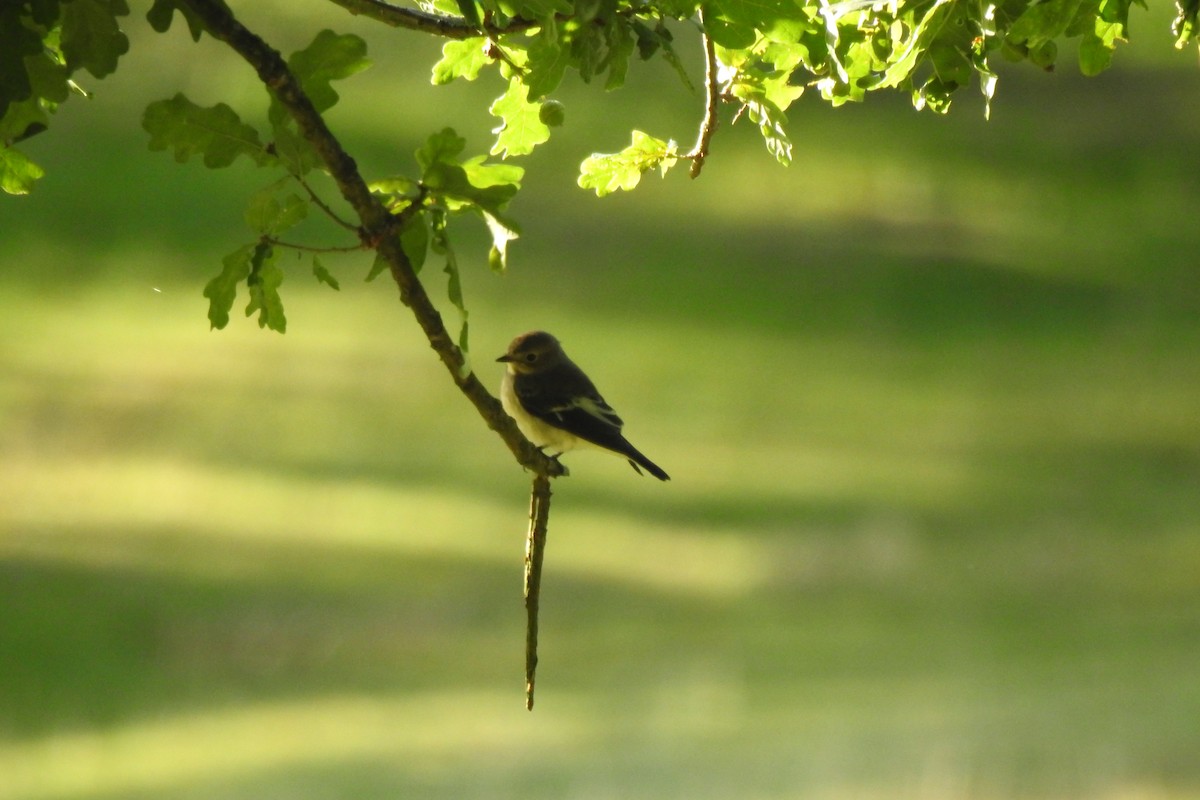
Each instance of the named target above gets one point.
<point>448,184</point>
<point>765,56</point>
<point>43,44</point>
<point>761,57</point>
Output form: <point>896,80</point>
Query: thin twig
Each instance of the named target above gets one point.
<point>436,24</point>
<point>535,549</point>
<point>321,204</point>
<point>455,27</point>
<point>712,98</point>
<point>308,248</point>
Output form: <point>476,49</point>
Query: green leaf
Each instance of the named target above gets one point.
<point>222,290</point>
<point>548,56</point>
<point>1041,22</point>
<point>414,241</point>
<point>17,43</point>
<point>469,11</point>
<point>987,82</point>
<point>397,186</point>
<point>441,244</point>
<point>934,95</point>
<point>730,34</point>
<point>48,78</point>
<point>678,9</point>
<point>771,122</point>
<point>521,128</point>
<point>672,58</point>
<point>446,180</point>
<point>949,63</point>
<point>1185,25</point>
<point>766,95</point>
<point>442,147</point>
<point>266,215</point>
<point>1096,48</point>
<point>648,40</point>
<point>754,14</point>
<point>1044,54</point>
<point>540,9</point>
<point>587,50</point>
<point>263,282</point>
<point>732,23</point>
<point>91,37</point>
<point>1118,11</point>
<point>330,57</point>
<point>323,276</point>
<point>297,154</point>
<point>449,184</point>
<point>327,58</point>
<point>608,172</point>
<point>461,59</point>
<point>378,266</point>
<point>905,57</point>
<point>216,133</point>
<point>399,192</point>
<point>17,172</point>
<point>162,12</point>
<point>502,232</point>
<point>473,183</point>
<point>454,284</point>
<point>483,175</point>
<point>621,42</point>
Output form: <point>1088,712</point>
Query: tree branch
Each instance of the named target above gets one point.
<point>378,229</point>
<point>712,95</point>
<point>436,24</point>
<point>535,549</point>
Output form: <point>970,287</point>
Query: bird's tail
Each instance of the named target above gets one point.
<point>636,458</point>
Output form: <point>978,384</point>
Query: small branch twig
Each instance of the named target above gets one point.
<point>321,204</point>
<point>712,98</point>
<point>308,248</point>
<point>451,27</point>
<point>436,24</point>
<point>535,549</point>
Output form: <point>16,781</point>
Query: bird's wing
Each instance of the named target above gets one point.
<point>571,403</point>
<point>582,411</point>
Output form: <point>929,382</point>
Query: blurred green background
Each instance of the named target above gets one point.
<point>928,399</point>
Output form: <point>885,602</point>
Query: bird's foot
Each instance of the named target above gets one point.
<point>555,458</point>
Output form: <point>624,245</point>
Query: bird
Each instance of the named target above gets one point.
<point>557,406</point>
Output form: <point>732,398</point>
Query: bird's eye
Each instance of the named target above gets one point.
<point>531,357</point>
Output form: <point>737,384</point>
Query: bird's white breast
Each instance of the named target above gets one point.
<point>555,440</point>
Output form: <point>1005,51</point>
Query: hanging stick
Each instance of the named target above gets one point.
<point>535,549</point>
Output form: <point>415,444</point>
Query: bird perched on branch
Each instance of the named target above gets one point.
<point>557,407</point>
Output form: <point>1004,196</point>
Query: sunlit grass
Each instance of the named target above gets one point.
<point>466,739</point>
<point>92,511</point>
<point>211,749</point>
<point>924,569</point>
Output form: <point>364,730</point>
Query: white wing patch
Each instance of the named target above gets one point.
<point>593,406</point>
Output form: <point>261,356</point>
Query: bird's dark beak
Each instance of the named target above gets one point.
<point>505,358</point>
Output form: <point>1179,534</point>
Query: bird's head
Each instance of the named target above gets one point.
<point>533,352</point>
